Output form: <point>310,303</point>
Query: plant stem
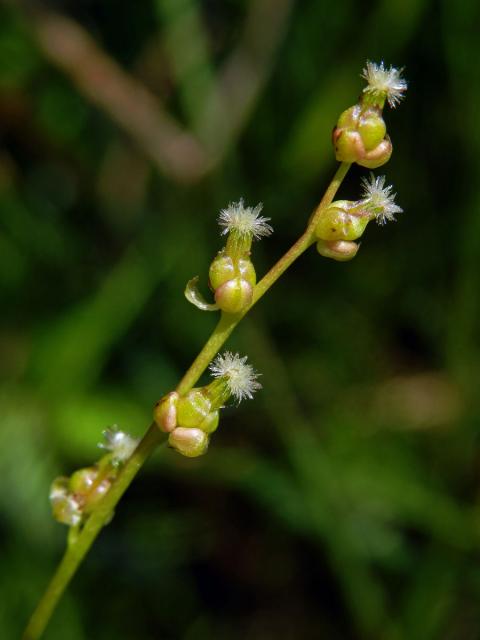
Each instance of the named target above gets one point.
<point>81,544</point>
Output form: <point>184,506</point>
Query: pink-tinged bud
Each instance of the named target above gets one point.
<point>189,442</point>
<point>340,250</point>
<point>342,220</point>
<point>360,136</point>
<point>165,412</point>
<point>234,296</point>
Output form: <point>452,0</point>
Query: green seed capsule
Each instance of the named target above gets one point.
<point>194,410</point>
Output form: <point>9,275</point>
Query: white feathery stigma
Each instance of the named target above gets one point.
<point>244,221</point>
<point>240,377</point>
<point>384,83</point>
<point>379,199</point>
<point>119,443</point>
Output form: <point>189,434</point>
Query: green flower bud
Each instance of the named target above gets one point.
<point>195,410</point>
<point>165,412</point>
<point>339,250</point>
<point>189,442</point>
<point>342,220</point>
<point>234,295</point>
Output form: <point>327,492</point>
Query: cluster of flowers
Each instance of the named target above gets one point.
<point>361,136</point>
<point>190,419</point>
<point>74,498</point>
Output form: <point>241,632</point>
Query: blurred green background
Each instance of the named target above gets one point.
<point>342,503</point>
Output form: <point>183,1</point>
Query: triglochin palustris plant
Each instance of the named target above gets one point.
<point>189,415</point>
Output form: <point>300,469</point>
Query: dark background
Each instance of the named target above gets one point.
<point>342,502</point>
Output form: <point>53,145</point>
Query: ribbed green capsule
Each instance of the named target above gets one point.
<point>194,410</point>
<point>342,220</point>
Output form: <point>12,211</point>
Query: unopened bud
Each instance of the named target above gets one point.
<point>234,295</point>
<point>189,442</point>
<point>342,220</point>
<point>340,250</point>
<point>165,412</point>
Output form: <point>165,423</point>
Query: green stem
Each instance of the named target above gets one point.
<point>81,544</point>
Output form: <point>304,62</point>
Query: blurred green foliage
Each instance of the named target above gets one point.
<point>343,501</point>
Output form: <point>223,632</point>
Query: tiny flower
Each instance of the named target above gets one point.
<point>384,83</point>
<point>379,199</point>
<point>244,221</point>
<point>240,378</point>
<point>119,443</point>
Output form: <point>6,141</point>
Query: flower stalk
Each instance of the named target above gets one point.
<point>187,416</point>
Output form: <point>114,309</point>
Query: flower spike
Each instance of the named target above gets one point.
<point>244,221</point>
<point>383,83</point>
<point>379,199</point>
<point>240,378</point>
